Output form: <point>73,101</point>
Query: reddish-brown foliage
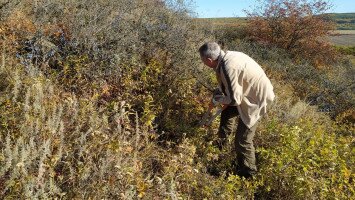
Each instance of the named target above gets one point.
<point>298,26</point>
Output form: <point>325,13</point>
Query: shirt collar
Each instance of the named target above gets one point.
<point>220,59</point>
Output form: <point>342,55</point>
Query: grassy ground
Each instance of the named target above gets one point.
<point>344,32</point>
<point>352,58</point>
<point>226,21</point>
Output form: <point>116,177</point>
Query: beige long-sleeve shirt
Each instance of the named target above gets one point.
<point>244,84</point>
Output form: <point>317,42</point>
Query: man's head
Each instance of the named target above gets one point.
<point>209,53</point>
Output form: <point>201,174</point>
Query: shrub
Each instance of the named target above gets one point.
<point>296,26</point>
<point>57,145</point>
<point>132,50</point>
<point>306,163</point>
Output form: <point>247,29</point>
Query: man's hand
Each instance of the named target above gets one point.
<point>211,105</point>
<point>224,106</point>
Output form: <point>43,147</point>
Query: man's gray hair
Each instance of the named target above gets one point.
<point>210,50</point>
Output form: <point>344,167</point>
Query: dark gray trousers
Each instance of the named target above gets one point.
<point>245,151</point>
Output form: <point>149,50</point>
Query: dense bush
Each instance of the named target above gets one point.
<point>58,145</point>
<point>139,51</point>
<point>98,103</point>
<point>297,26</point>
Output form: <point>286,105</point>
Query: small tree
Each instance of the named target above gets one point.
<point>298,26</point>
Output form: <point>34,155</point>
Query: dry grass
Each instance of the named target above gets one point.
<point>352,59</point>
<point>344,32</point>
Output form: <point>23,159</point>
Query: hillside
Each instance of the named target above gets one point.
<point>227,22</point>
<point>105,102</point>
<point>344,21</point>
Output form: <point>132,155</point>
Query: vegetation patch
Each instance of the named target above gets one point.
<point>102,100</point>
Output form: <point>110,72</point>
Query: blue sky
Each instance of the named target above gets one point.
<point>234,8</point>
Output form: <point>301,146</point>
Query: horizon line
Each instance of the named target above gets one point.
<point>246,16</point>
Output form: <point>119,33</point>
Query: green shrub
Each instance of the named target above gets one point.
<point>306,162</point>
<point>346,50</point>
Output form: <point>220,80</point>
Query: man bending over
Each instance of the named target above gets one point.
<point>244,90</point>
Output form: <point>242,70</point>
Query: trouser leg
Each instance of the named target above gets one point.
<point>245,149</point>
<point>227,124</point>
